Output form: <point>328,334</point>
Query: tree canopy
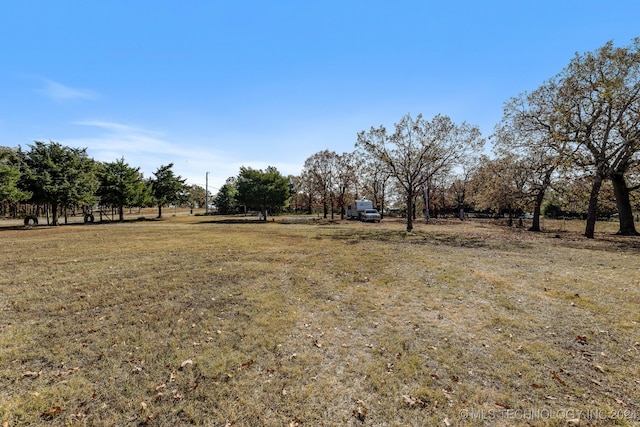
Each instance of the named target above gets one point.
<point>120,185</point>
<point>59,175</point>
<point>419,149</point>
<point>167,188</point>
<point>262,190</point>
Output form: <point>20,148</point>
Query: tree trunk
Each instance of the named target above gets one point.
<point>592,213</point>
<point>54,213</point>
<point>536,211</point>
<point>159,211</point>
<point>426,204</point>
<point>625,212</point>
<point>409,212</point>
<point>121,212</point>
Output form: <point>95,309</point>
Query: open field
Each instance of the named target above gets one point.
<point>204,321</point>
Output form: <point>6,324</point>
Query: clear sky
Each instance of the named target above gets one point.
<point>214,85</point>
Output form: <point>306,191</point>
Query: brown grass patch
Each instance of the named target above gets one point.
<point>190,321</point>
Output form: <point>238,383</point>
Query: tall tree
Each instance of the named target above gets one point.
<point>9,178</point>
<point>167,188</point>
<point>60,176</point>
<point>419,149</point>
<point>263,190</point>
<point>529,130</point>
<point>319,172</point>
<point>225,199</point>
<point>120,185</point>
<point>197,195</point>
<point>598,97</point>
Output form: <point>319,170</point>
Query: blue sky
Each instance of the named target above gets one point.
<point>214,85</point>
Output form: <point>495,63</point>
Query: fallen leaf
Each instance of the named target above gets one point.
<point>557,378</point>
<point>51,413</point>
<point>246,364</point>
<point>143,406</point>
<point>360,412</point>
<point>31,374</point>
<point>415,401</point>
<point>186,362</point>
<point>581,340</point>
<point>446,422</point>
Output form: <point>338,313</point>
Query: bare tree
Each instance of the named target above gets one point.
<point>418,149</point>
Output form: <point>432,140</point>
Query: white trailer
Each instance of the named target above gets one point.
<point>355,209</point>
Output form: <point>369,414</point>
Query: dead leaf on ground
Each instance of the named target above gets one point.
<point>186,362</point>
<point>31,374</point>
<point>53,412</point>
<point>360,412</point>
<point>555,376</point>
<point>415,401</point>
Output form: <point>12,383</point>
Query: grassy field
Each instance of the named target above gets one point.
<point>210,321</point>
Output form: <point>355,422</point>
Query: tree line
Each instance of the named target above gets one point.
<point>51,179</point>
<point>568,148</point>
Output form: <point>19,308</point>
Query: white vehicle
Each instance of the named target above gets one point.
<point>358,207</point>
<point>370,215</point>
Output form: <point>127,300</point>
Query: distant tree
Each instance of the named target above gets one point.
<point>120,185</point>
<point>420,149</point>
<point>343,172</point>
<point>58,175</point>
<point>372,178</point>
<point>197,196</point>
<point>460,185</point>
<point>529,130</point>
<point>167,188</point>
<point>499,185</point>
<point>307,190</point>
<point>297,198</point>
<point>225,200</point>
<point>319,173</point>
<point>9,178</point>
<point>262,190</point>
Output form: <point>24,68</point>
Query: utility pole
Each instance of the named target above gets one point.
<point>206,194</point>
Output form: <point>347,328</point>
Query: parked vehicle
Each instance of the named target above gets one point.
<point>370,215</point>
<point>358,207</point>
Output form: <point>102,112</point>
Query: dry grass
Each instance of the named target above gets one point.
<point>200,321</point>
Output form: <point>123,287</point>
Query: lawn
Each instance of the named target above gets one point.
<point>214,321</point>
